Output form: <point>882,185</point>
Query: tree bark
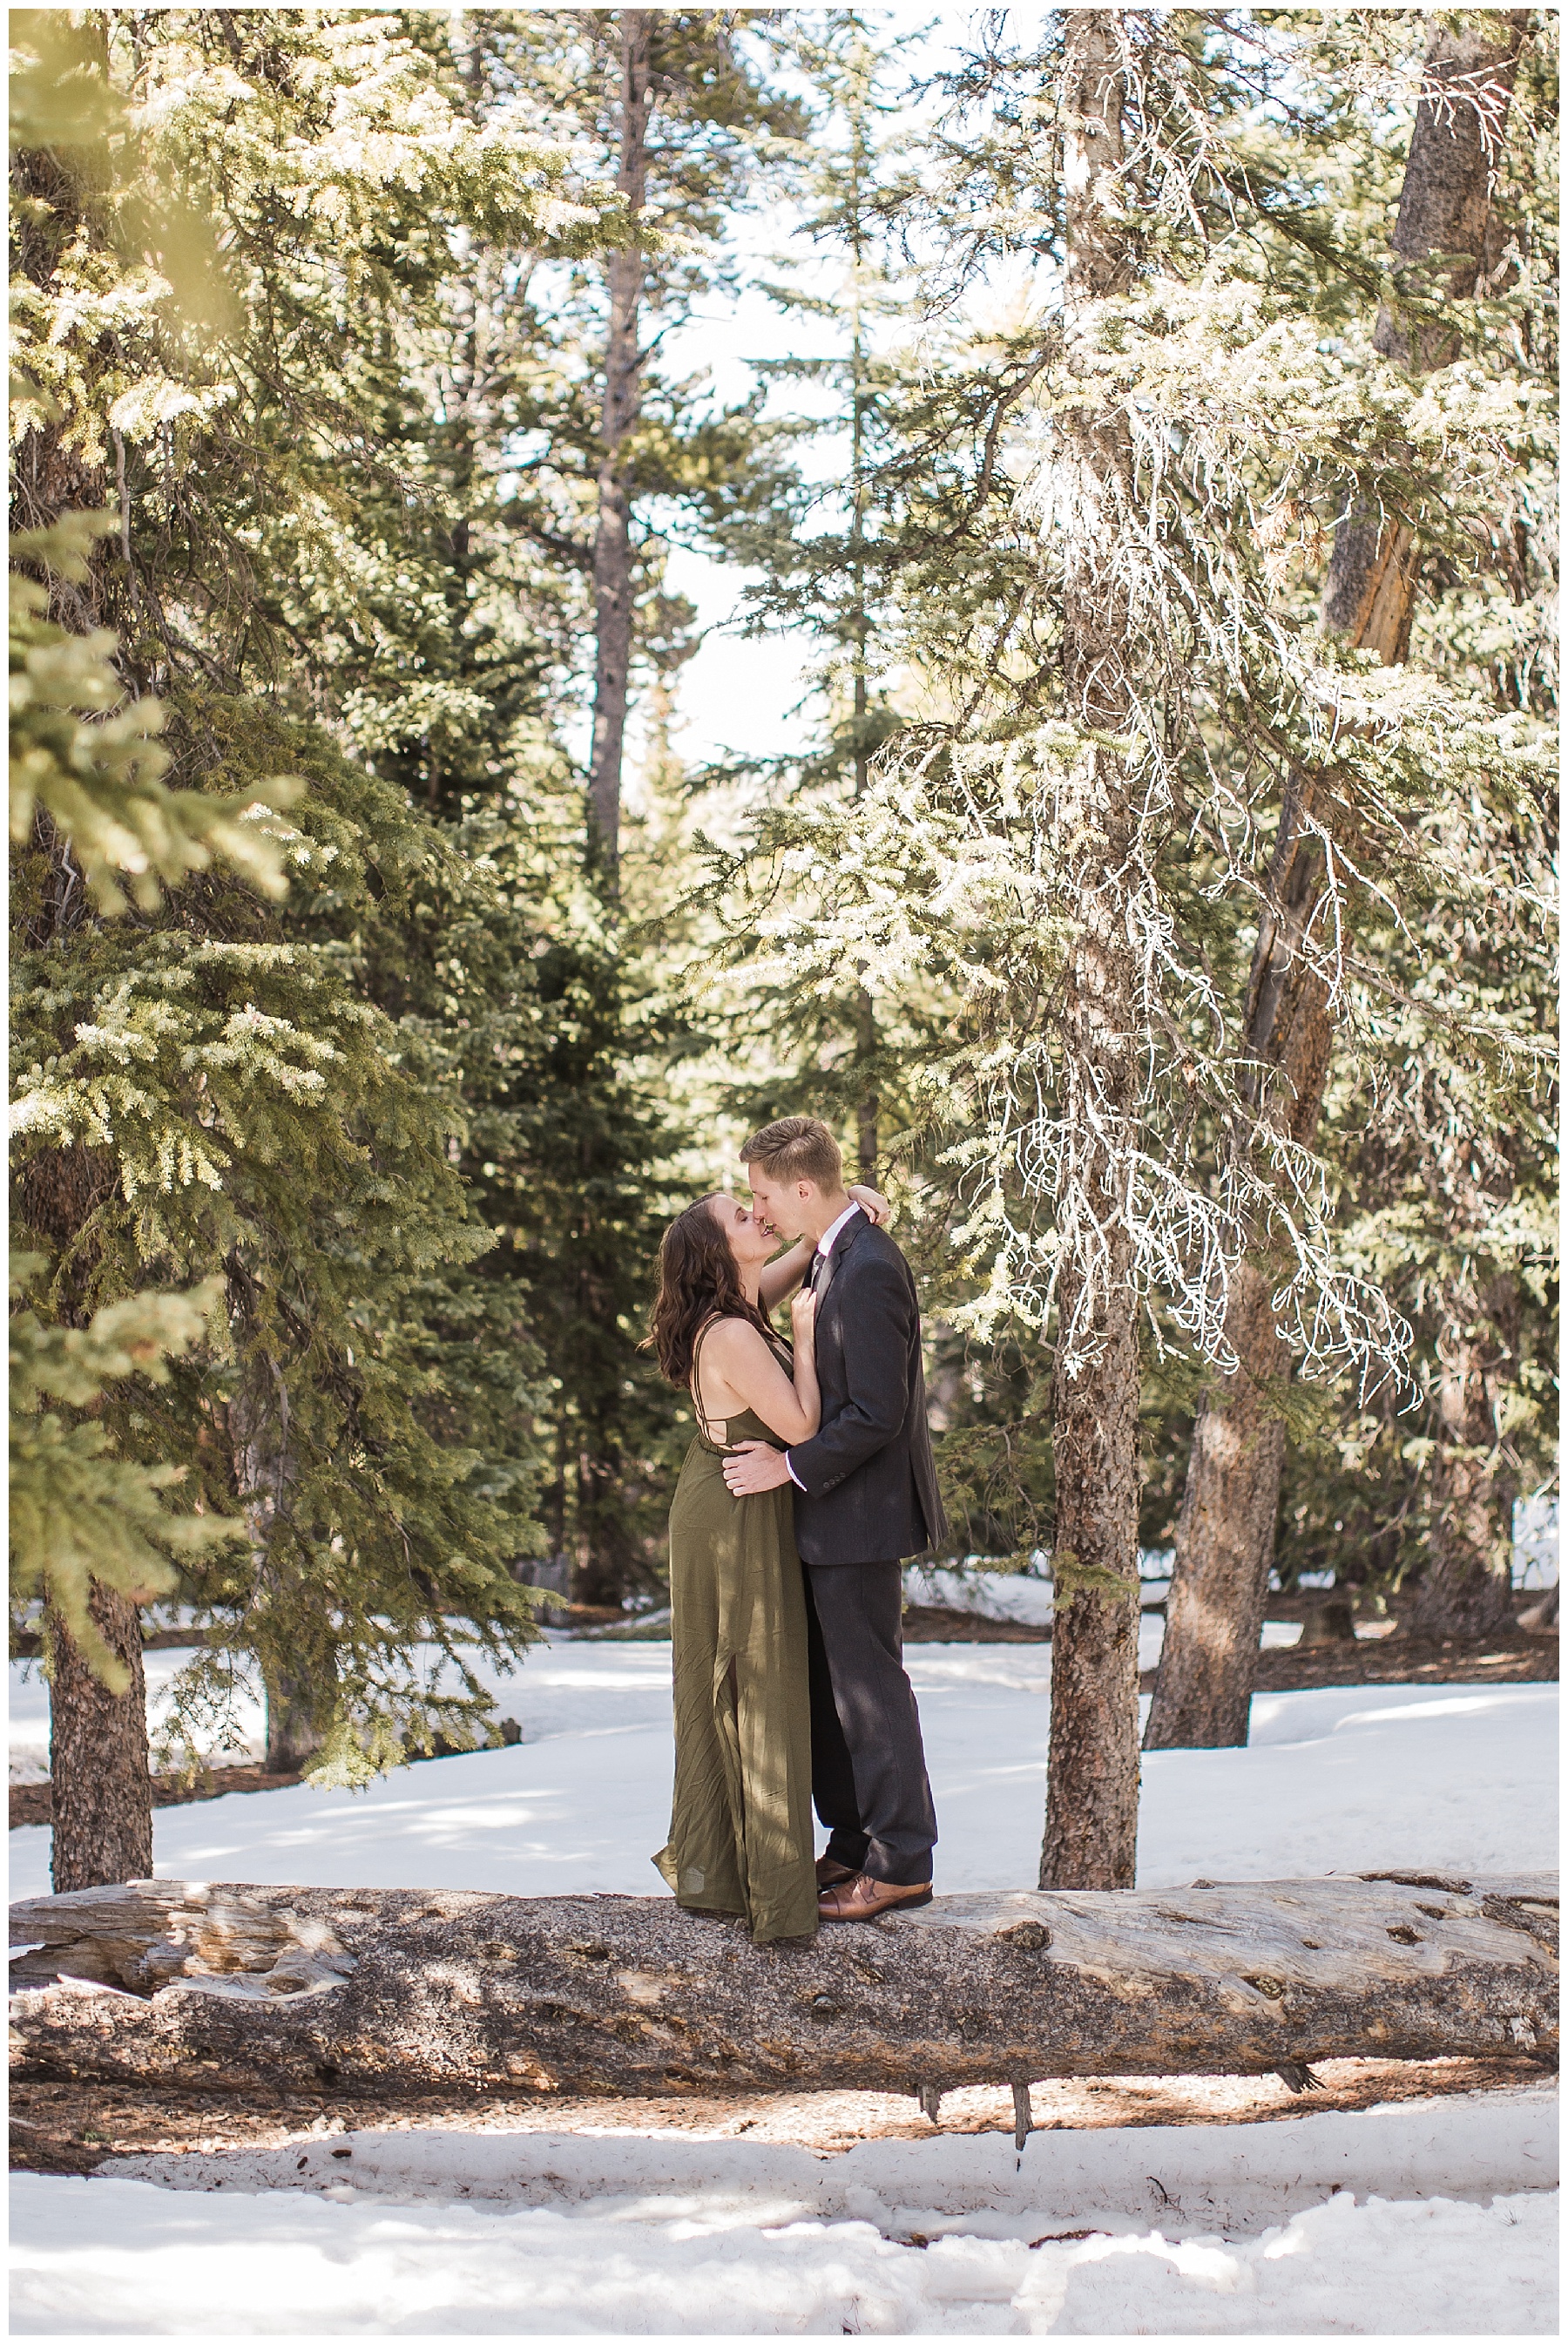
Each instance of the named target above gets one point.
<point>1225,1536</point>
<point>1091,1782</point>
<point>868,1106</point>
<point>266,1472</point>
<point>613,552</point>
<point>1467,1586</point>
<point>405,1991</point>
<point>101,1778</point>
<point>1444,210</point>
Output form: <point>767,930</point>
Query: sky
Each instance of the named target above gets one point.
<point>735,696</point>
<point>739,696</point>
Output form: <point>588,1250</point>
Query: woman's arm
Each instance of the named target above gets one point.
<point>803,1328</point>
<point>785,1270</point>
<point>746,1374</point>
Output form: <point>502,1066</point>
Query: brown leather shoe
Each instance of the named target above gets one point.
<point>862,1898</point>
<point>830,1872</point>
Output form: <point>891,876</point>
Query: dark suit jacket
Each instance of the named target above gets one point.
<point>868,1491</point>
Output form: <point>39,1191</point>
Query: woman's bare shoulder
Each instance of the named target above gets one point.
<point>734,1339</point>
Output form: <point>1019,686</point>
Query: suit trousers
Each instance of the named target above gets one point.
<point>868,1764</point>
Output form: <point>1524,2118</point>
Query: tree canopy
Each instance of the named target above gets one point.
<point>384,975</point>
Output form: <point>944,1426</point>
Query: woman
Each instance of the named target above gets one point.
<point>740,1835</point>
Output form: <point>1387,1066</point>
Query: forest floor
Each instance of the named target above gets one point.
<point>72,2127</point>
<point>1392,2200</point>
<point>1386,1658</point>
<point>1378,2214</point>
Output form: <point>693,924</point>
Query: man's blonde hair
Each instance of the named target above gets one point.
<point>797,1147</point>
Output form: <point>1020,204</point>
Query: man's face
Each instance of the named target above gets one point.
<point>782,1203</point>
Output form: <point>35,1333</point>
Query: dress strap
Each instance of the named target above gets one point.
<point>702,1423</point>
<point>782,1351</point>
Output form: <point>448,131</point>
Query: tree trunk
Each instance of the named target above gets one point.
<point>1224,1542</point>
<point>294,1730</point>
<point>1444,210</point>
<point>101,1780</point>
<point>1091,1782</point>
<point>613,553</point>
<point>1331,1622</point>
<point>1467,1586</point>
<point>868,1105</point>
<point>296,1672</point>
<point>1225,1538</point>
<point>405,1991</point>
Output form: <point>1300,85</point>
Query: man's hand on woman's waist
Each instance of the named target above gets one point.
<point>753,1466</point>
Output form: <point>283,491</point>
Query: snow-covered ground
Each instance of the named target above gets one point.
<point>1421,2218</point>
<point>1335,1780</point>
<point>1023,1597</point>
<point>1426,2218</point>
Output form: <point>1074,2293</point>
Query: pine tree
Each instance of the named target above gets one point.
<point>547,493</point>
<point>203,1084</point>
<point>856,556</point>
<point>675,102</point>
<point>826,552</point>
<point>91,1532</point>
<point>1075,860</point>
<point>1225,1544</point>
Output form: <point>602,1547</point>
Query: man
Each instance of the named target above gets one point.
<point>866,1500</point>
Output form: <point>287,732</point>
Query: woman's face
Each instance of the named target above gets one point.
<point>749,1239</point>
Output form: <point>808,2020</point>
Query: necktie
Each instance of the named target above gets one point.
<point>815,1272</point>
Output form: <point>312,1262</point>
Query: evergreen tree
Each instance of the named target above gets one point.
<point>1077,860</point>
<point>205,1086</point>
<point>561,450</point>
<point>675,103</point>
<point>826,557</point>
<point>1225,1546</point>
<point>884,552</point>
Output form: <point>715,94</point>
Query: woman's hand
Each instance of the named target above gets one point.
<point>875,1206</point>
<point>803,1321</point>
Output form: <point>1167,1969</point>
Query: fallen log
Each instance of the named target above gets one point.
<point>398,1991</point>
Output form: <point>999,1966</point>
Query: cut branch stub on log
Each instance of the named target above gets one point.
<point>403,1991</point>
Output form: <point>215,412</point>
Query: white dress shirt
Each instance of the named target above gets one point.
<point>825,1244</point>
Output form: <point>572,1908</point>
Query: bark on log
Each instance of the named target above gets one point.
<point>407,1991</point>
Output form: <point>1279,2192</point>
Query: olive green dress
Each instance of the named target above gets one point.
<point>740,1835</point>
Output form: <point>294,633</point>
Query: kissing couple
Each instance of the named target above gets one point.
<point>810,1482</point>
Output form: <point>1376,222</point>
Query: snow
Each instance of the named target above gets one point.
<point>1537,1541</point>
<point>1022,1595</point>
<point>29,1716</point>
<point>1336,1779</point>
<point>1431,2218</point>
<point>993,1595</point>
<point>1273,2229</point>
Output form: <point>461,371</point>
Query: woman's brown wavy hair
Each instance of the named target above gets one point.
<point>699,1279</point>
